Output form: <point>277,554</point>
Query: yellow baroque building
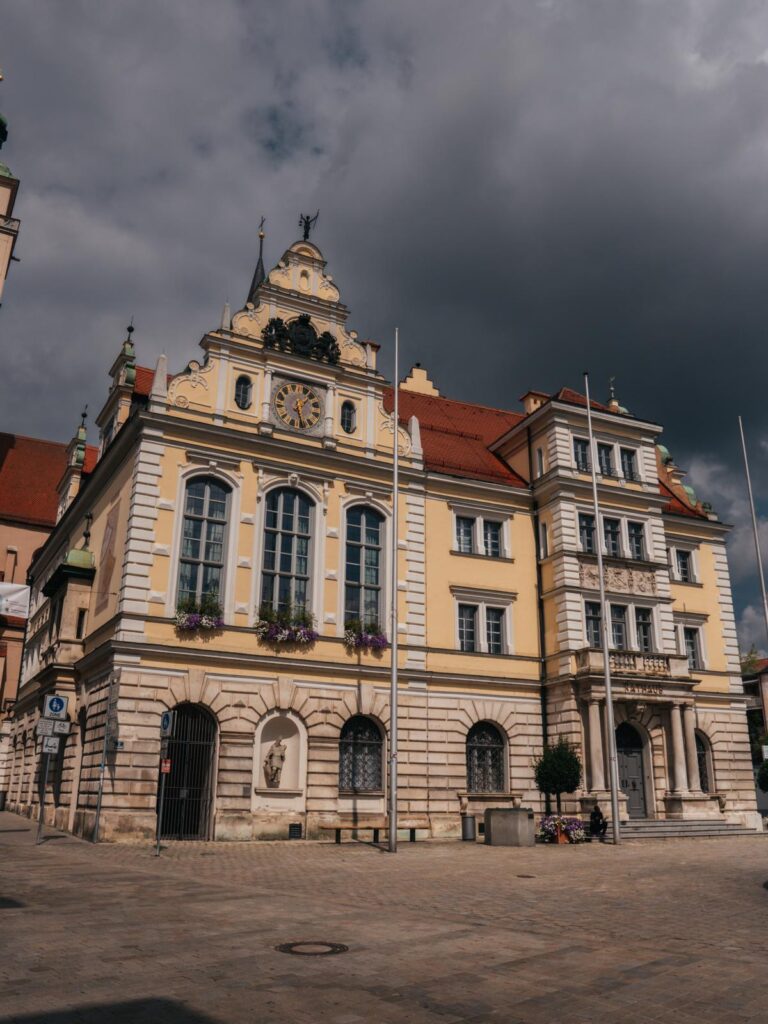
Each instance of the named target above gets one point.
<point>227,556</point>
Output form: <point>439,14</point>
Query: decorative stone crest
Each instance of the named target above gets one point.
<point>301,338</point>
<point>618,579</point>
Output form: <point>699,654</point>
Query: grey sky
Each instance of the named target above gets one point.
<point>525,188</point>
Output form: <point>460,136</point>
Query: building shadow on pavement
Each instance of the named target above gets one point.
<point>136,1011</point>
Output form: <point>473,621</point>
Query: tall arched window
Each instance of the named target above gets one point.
<point>485,759</point>
<point>243,391</point>
<point>201,563</point>
<point>348,417</point>
<point>286,567</point>
<point>360,756</point>
<point>362,574</point>
<point>703,758</point>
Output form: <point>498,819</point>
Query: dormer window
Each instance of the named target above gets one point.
<point>348,417</point>
<point>243,391</point>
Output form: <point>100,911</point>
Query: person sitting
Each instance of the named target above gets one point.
<point>598,825</point>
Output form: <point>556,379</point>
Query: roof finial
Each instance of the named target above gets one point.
<point>612,389</point>
<point>258,274</point>
<point>83,416</point>
<point>130,329</point>
<point>307,222</point>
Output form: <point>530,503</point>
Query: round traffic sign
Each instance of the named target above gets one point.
<point>56,705</point>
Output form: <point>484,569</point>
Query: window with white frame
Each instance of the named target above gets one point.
<point>628,458</point>
<point>692,647</point>
<point>478,534</point>
<point>636,537</point>
<point>581,454</point>
<point>285,579</point>
<point>605,459</point>
<point>467,627</point>
<point>539,462</point>
<point>683,564</point>
<point>203,536</point>
<point>632,628</point>
<point>612,536</point>
<point>587,532</point>
<point>483,622</point>
<point>362,574</point>
<point>543,540</point>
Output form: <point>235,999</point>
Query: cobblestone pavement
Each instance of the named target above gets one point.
<point>443,932</point>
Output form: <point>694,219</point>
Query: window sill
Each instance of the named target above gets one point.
<point>361,792</point>
<point>485,558</point>
<point>686,583</point>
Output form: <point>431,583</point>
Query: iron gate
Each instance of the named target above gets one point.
<point>187,801</point>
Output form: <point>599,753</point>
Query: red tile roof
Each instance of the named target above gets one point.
<point>576,398</point>
<point>144,378</point>
<point>455,435</point>
<point>677,506</point>
<point>30,470</point>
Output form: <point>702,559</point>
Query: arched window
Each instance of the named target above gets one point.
<point>201,563</point>
<point>703,757</point>
<point>360,756</point>
<point>348,417</point>
<point>485,759</point>
<point>286,566</point>
<point>243,390</point>
<point>362,574</point>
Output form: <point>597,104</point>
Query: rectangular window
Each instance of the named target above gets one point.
<point>581,454</point>
<point>644,626</point>
<point>539,462</point>
<point>612,534</point>
<point>636,540</point>
<point>593,624</point>
<point>587,532</point>
<point>467,627</point>
<point>494,630</point>
<point>618,627</point>
<point>80,628</point>
<point>684,567</point>
<point>492,538</point>
<point>605,459</point>
<point>628,464</point>
<point>692,647</point>
<point>465,530</point>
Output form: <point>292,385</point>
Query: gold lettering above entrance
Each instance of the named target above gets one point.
<point>648,690</point>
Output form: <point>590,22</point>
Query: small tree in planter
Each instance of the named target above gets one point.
<point>558,770</point>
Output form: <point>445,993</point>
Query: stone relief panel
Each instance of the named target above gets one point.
<point>619,579</point>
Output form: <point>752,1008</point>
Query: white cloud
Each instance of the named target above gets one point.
<point>752,631</point>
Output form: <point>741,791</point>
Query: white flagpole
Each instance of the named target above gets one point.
<point>760,572</point>
<point>393,614</point>
<point>613,768</point>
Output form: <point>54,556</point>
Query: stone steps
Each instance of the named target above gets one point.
<point>699,828</point>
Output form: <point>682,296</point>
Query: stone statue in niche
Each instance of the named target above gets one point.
<point>273,763</point>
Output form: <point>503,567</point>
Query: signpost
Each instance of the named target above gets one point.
<point>167,725</point>
<point>50,728</point>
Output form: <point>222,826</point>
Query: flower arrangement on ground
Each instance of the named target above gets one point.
<point>285,626</point>
<point>553,824</point>
<point>367,636</point>
<point>205,615</point>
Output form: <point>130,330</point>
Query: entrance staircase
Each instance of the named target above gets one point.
<point>698,828</point>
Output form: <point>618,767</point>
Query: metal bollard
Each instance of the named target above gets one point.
<point>468,828</point>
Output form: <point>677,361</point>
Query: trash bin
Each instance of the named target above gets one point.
<point>468,828</point>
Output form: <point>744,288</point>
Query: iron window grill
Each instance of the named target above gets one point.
<point>362,587</point>
<point>201,565</point>
<point>287,534</point>
<point>360,756</point>
<point>485,759</point>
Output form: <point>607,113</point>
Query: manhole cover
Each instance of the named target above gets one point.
<point>6,903</point>
<point>526,876</point>
<point>312,948</point>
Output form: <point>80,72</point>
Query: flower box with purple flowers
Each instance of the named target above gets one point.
<point>192,617</point>
<point>285,626</point>
<point>364,637</point>
<point>552,824</point>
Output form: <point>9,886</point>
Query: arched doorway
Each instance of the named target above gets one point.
<point>703,759</point>
<point>629,747</point>
<point>188,785</point>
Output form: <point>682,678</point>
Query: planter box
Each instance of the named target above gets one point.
<point>513,826</point>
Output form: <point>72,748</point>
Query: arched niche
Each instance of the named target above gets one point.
<point>280,763</point>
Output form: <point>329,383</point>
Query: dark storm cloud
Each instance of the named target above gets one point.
<point>525,188</point>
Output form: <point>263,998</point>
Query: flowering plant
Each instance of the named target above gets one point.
<point>285,626</point>
<point>191,616</point>
<point>550,824</point>
<point>367,636</point>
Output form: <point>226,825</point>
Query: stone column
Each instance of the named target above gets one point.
<point>679,773</point>
<point>691,757</point>
<point>596,766</point>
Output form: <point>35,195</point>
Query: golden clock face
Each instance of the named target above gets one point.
<point>297,405</point>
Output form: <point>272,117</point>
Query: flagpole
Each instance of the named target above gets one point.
<point>613,770</point>
<point>754,524</point>
<point>393,613</point>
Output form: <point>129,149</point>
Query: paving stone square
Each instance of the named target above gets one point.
<point>443,932</point>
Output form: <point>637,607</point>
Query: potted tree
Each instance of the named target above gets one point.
<point>558,771</point>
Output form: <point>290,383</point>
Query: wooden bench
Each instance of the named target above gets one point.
<point>376,825</point>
